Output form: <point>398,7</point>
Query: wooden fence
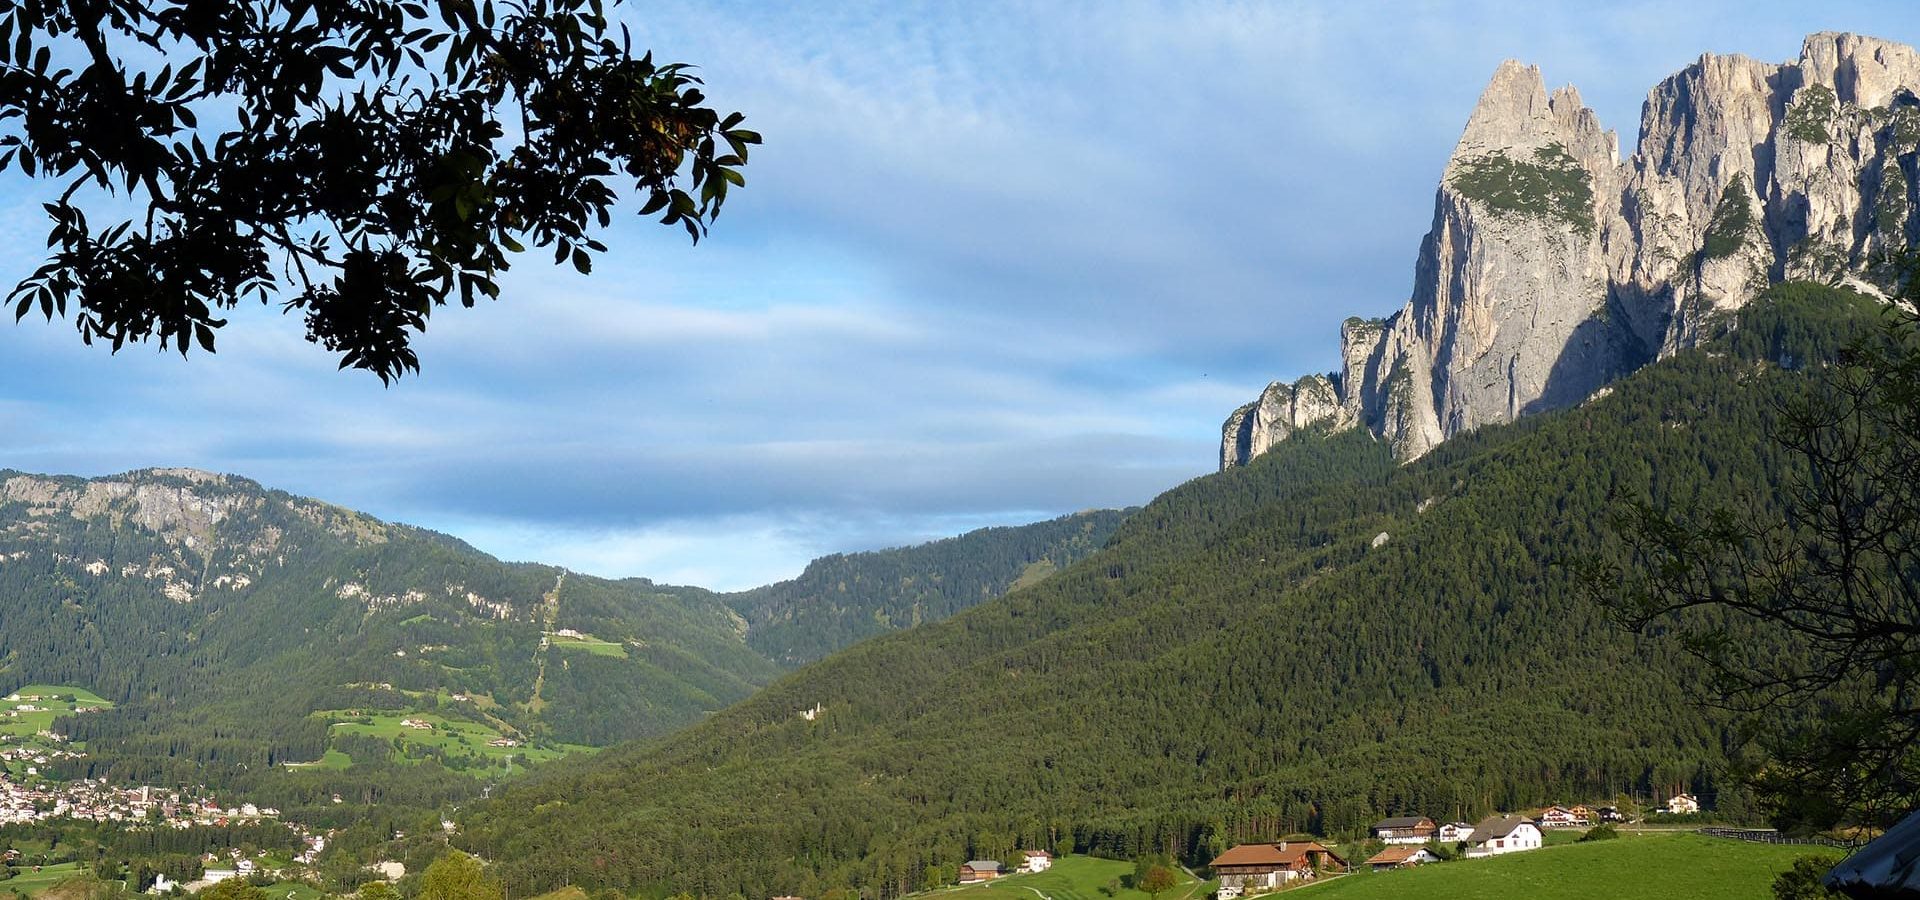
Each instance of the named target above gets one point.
<point>1763,836</point>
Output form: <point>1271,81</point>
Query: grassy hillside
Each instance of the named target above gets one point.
<point>845,598</point>
<point>1635,867</point>
<point>1300,645</point>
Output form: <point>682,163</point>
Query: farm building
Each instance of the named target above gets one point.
<point>1562,817</point>
<point>1253,868</point>
<point>1401,856</point>
<point>979,870</point>
<point>1405,830</point>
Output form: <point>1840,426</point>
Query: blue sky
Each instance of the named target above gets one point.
<point>995,262</point>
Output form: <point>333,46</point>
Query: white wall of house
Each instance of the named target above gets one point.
<point>1525,837</point>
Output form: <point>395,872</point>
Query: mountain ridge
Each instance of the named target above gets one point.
<point>1552,267</point>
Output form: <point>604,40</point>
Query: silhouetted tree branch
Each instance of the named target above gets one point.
<point>372,158</point>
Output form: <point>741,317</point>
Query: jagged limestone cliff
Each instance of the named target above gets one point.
<point>1552,267</point>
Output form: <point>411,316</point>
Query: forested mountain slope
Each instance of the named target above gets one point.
<point>220,616</point>
<point>1302,644</point>
<point>240,630</point>
<point>847,597</point>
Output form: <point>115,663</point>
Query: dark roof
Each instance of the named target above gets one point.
<point>1496,827</point>
<point>1403,822</point>
<point>1887,867</point>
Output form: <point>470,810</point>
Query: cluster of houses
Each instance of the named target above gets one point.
<point>978,870</point>
<point>95,800</point>
<point>1257,868</point>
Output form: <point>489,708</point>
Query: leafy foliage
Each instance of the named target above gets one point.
<point>1802,882</point>
<point>457,876</point>
<point>373,159</point>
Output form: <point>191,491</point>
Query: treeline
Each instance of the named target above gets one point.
<point>1304,644</point>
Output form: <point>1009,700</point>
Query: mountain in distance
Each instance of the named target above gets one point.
<point>1367,612</point>
<point>848,597</point>
<point>1553,267</point>
<point>240,630</point>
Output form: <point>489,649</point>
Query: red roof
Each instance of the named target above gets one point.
<point>1284,853</point>
<point>1395,855</point>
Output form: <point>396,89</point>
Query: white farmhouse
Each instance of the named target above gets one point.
<point>1454,832</point>
<point>1036,861</point>
<point>1503,834</point>
<point>1683,804</point>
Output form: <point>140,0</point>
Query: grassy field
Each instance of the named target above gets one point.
<point>588,643</point>
<point>30,883</point>
<point>1633,867</point>
<point>451,735</point>
<point>21,726</point>
<point>1072,878</point>
<point>20,723</point>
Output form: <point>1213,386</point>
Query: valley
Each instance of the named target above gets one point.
<point>1500,606</point>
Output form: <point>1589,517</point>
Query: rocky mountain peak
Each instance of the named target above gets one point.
<point>1552,267</point>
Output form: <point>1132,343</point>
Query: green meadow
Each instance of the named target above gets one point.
<point>21,723</point>
<point>1636,866</point>
<point>1074,878</point>
<point>589,644</point>
<point>30,883</point>
<point>449,735</point>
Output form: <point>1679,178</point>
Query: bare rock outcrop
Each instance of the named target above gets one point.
<point>1552,267</point>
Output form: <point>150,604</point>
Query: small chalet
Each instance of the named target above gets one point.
<point>1401,856</point>
<point>1253,868</point>
<point>1503,834</point>
<point>979,870</point>
<point>1562,817</point>
<point>1611,814</point>
<point>1454,832</point>
<point>1036,861</point>
<point>1683,804</point>
<point>1405,830</point>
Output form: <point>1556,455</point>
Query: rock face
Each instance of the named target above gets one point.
<point>1553,268</point>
